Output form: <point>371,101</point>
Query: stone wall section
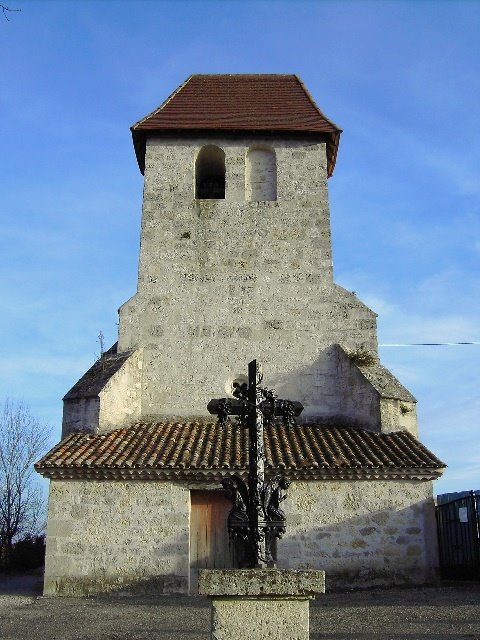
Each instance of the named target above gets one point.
<point>398,415</point>
<point>223,281</point>
<point>342,395</point>
<point>361,533</point>
<point>80,414</point>
<point>108,535</point>
<point>120,399</point>
<point>260,174</point>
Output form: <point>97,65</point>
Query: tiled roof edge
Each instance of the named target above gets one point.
<point>343,452</point>
<point>216,475</point>
<point>312,100</point>
<point>164,103</point>
<point>139,132</point>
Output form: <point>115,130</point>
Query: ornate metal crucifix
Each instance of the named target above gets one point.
<point>256,518</point>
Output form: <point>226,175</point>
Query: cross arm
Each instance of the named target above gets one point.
<point>230,406</point>
<point>234,407</point>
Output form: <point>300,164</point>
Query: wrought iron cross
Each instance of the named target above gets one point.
<point>256,518</point>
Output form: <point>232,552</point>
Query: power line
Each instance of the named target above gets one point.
<point>429,344</point>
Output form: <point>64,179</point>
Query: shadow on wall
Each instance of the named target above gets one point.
<point>383,547</point>
<point>128,585</point>
<point>342,396</point>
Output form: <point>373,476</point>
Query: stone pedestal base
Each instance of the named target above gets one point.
<point>265,619</point>
<point>260,604</point>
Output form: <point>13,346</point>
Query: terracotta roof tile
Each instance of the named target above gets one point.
<point>239,102</point>
<point>308,450</point>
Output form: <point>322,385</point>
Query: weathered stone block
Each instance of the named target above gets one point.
<point>260,582</point>
<point>260,604</point>
<point>135,523</point>
<point>265,619</point>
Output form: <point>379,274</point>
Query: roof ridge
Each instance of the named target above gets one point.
<point>242,75</point>
<point>165,102</point>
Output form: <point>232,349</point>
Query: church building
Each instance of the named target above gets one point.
<point>235,264</point>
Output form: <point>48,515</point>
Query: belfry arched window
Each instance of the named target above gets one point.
<point>210,173</point>
<point>260,174</point>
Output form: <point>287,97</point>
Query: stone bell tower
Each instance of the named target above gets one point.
<point>235,264</point>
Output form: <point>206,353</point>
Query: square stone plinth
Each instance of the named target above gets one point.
<point>260,604</point>
<point>260,618</point>
<point>260,582</point>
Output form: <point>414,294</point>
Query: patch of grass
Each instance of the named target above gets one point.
<point>404,408</point>
<point>362,357</point>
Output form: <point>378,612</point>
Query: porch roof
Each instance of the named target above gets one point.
<point>207,450</point>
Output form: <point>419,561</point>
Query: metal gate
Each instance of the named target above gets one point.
<point>458,526</point>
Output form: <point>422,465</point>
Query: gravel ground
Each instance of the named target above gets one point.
<point>440,613</point>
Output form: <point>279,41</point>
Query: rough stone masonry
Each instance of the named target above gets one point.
<point>235,264</point>
<point>222,280</point>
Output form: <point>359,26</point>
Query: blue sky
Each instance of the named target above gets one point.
<point>401,79</point>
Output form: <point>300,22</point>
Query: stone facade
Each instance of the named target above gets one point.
<point>111,535</point>
<point>378,532</point>
<point>221,281</point>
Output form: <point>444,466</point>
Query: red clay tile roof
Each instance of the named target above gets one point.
<point>196,450</point>
<point>239,102</point>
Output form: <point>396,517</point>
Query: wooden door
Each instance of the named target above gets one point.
<point>210,547</point>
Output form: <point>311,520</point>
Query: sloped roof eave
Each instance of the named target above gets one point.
<point>139,139</point>
<point>216,475</point>
<point>313,450</point>
<point>239,102</point>
<point>94,379</point>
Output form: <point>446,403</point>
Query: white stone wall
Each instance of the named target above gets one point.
<point>224,281</point>
<point>398,415</point>
<point>260,175</point>
<point>120,399</point>
<point>361,533</point>
<point>134,535</point>
<point>110,535</point>
<point>342,395</point>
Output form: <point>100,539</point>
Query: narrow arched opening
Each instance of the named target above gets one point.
<point>260,174</point>
<point>210,173</point>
